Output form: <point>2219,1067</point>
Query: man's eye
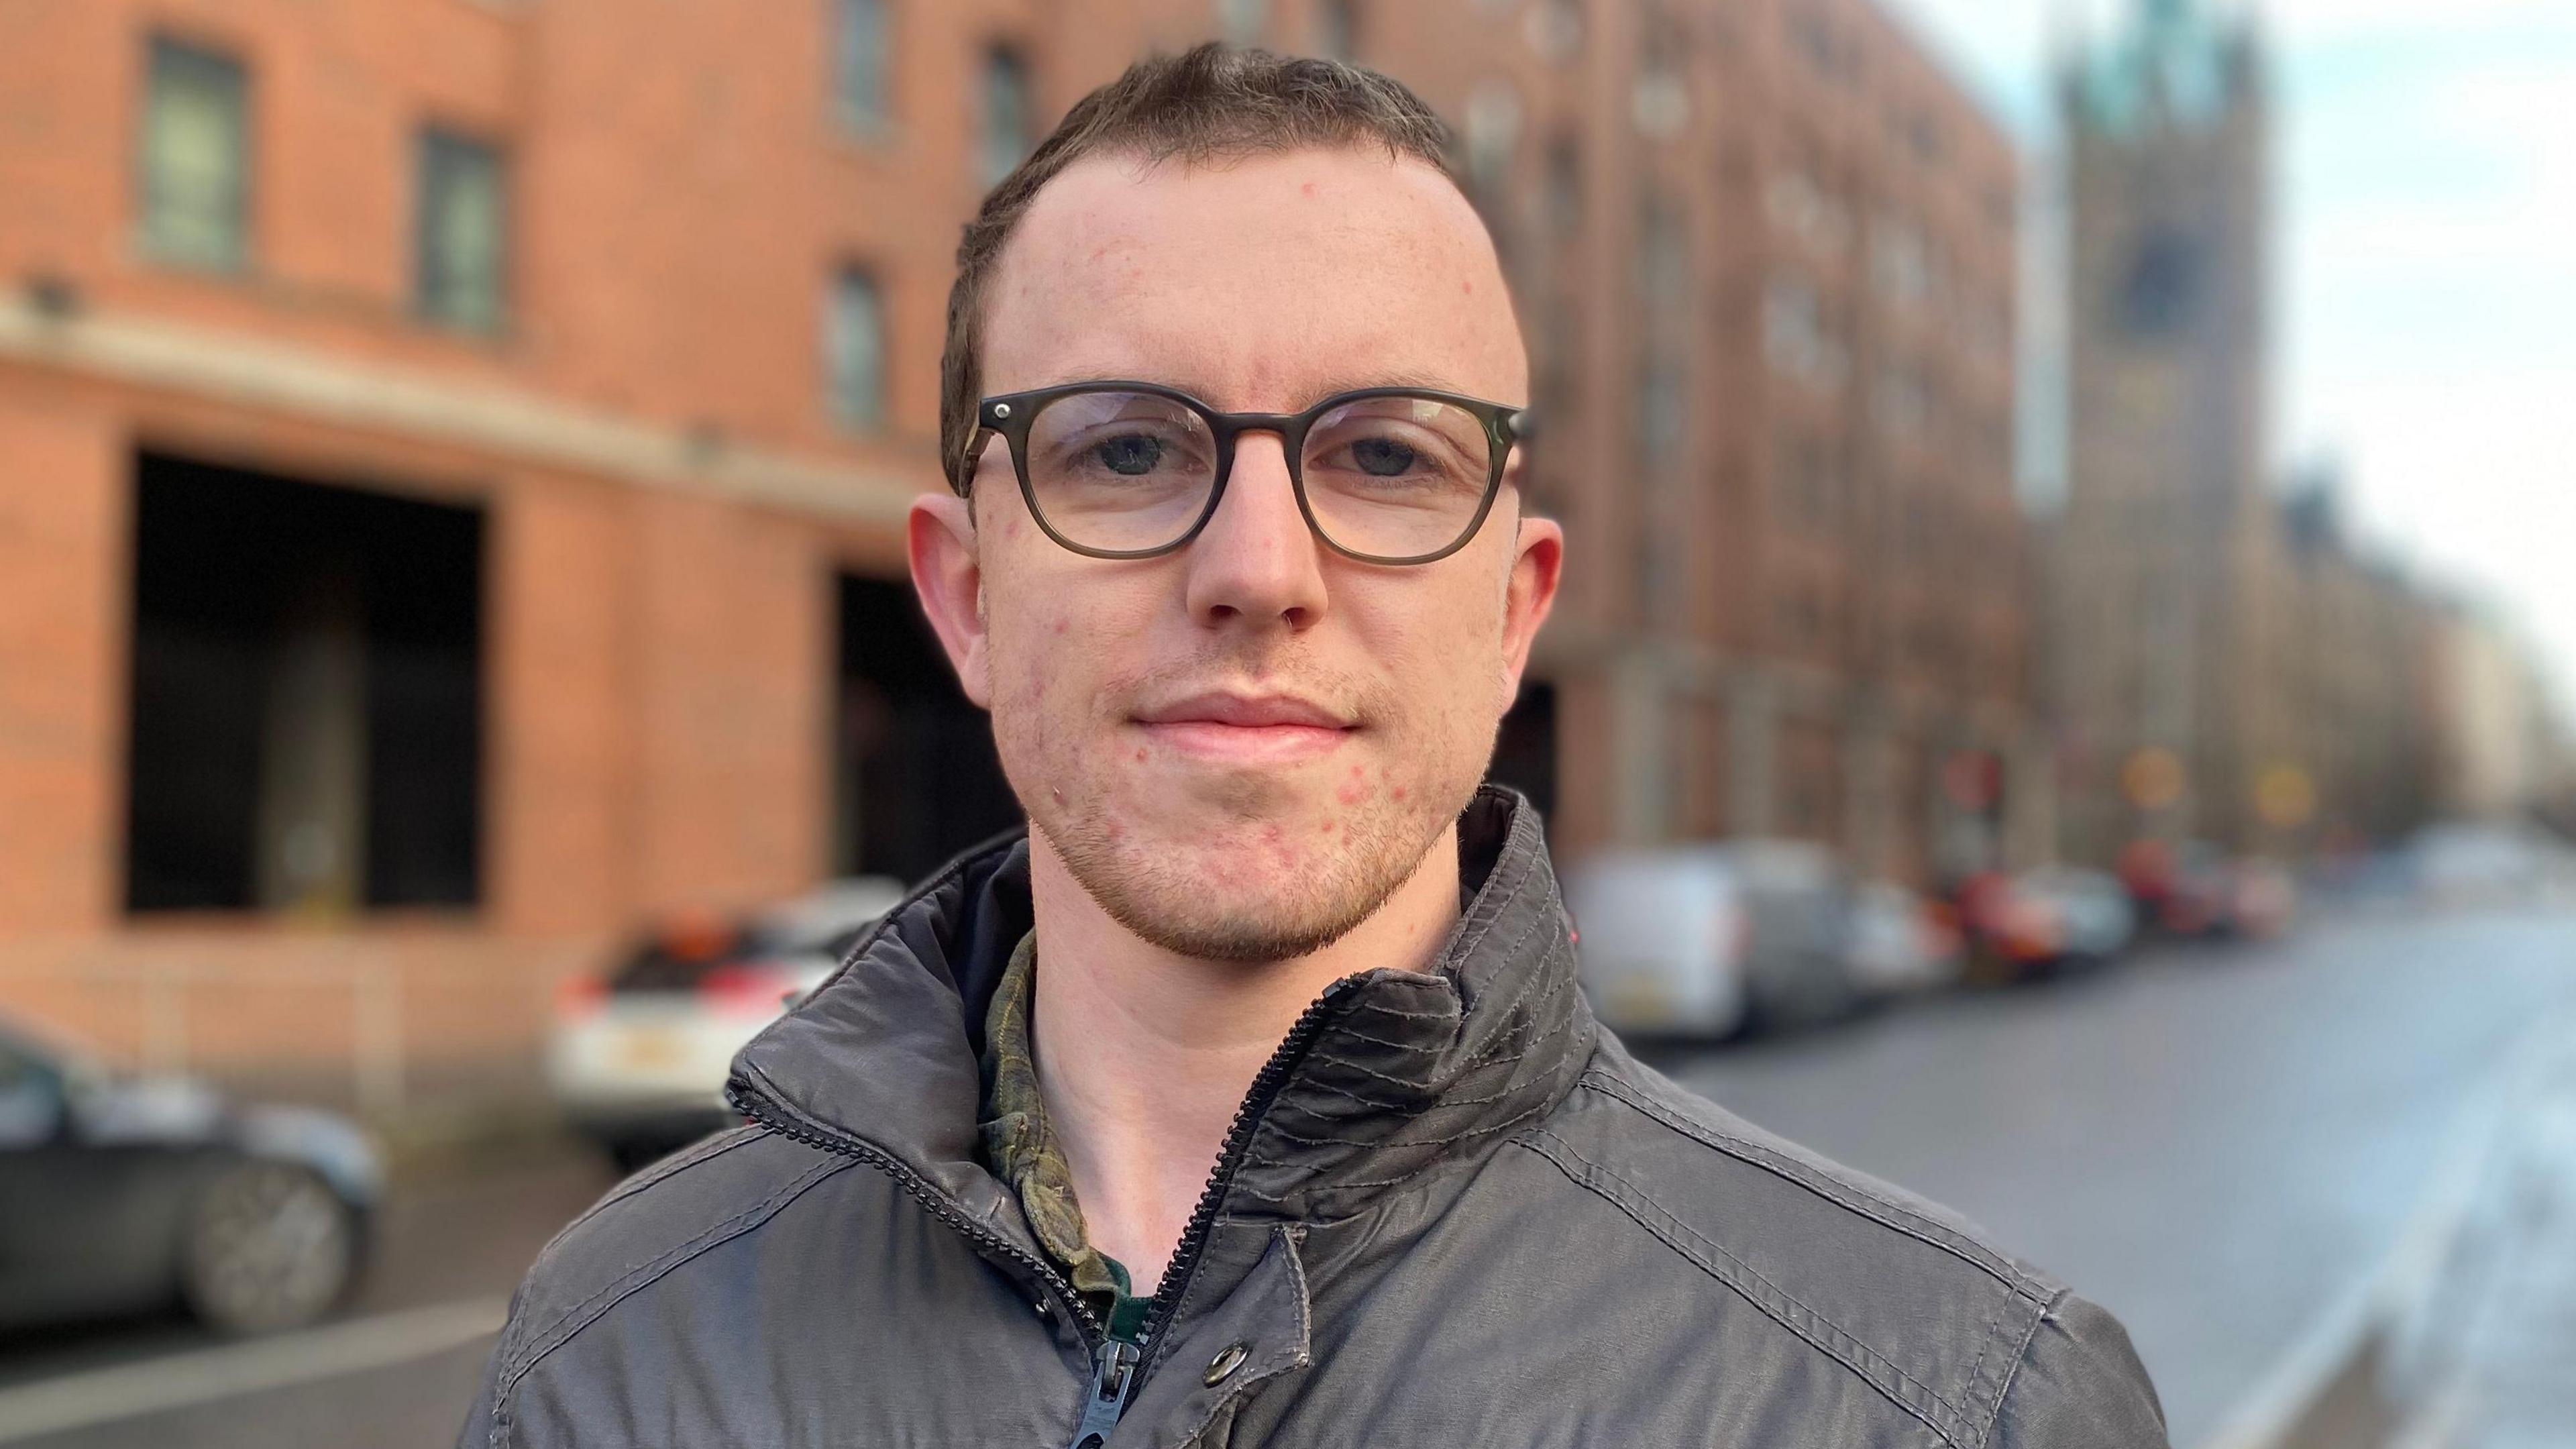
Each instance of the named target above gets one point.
<point>1130,454</point>
<point>1383,457</point>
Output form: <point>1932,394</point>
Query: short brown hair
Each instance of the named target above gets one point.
<point>1213,102</point>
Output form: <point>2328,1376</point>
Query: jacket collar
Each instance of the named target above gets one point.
<point>1403,1070</point>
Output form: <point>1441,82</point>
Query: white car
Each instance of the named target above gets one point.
<point>1661,939</point>
<point>1899,943</point>
<point>1710,940</point>
<point>638,1055</point>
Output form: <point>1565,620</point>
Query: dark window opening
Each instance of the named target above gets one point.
<point>915,775</point>
<point>1525,747</point>
<point>306,696</point>
<point>2160,294</point>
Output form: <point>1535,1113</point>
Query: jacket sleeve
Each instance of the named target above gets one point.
<point>2080,1386</point>
<point>477,1430</point>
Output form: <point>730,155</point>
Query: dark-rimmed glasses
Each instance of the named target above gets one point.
<point>1126,470</point>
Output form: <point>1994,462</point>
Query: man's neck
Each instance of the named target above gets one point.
<point>1144,1055</point>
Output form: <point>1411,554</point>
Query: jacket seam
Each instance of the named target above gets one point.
<point>1286,1239</point>
<point>638,1276</point>
<point>1819,1332</point>
<point>2012,1373</point>
<point>1893,1216</point>
<point>654,1176</point>
<point>1521,868</point>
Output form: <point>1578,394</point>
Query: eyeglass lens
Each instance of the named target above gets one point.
<point>1388,477</point>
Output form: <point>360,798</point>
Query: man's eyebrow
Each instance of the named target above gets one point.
<point>1396,378</point>
<point>1331,387</point>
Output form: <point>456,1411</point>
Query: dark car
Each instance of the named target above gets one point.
<point>124,1194</point>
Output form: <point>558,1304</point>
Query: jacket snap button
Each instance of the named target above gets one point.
<point>1222,1367</point>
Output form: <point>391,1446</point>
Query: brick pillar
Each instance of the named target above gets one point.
<point>65,502</point>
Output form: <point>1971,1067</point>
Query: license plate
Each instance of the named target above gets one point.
<point>650,1048</point>
<point>1639,999</point>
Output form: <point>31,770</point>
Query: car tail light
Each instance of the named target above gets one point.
<point>580,994</point>
<point>746,988</point>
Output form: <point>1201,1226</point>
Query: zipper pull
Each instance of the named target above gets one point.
<point>1113,1380</point>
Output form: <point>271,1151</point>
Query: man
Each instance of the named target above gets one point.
<point>1249,1099</point>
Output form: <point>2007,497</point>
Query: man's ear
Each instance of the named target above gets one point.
<point>1528,593</point>
<point>948,574</point>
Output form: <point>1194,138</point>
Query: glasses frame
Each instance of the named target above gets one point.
<point>1011,414</point>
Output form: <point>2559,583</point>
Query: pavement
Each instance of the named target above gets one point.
<point>2485,1356</point>
<point>2216,1144</point>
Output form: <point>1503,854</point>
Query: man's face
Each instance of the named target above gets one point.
<point>1242,748</point>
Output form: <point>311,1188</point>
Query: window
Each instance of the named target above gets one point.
<point>1902,401</point>
<point>1900,260</point>
<point>1565,186</point>
<point>1796,338</point>
<point>854,346</point>
<point>1243,21</point>
<point>462,248</point>
<point>861,61</point>
<point>915,776</point>
<point>306,686</point>
<point>1799,206</point>
<point>1337,30</point>
<point>2159,293</point>
<point>1006,112</point>
<point>1554,29</point>
<point>1493,134</point>
<point>196,159</point>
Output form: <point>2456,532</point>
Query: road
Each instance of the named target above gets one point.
<point>2215,1144</point>
<point>395,1372</point>
<point>2212,1144</point>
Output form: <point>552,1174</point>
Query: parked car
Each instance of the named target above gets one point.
<point>2089,914</point>
<point>126,1193</point>
<point>2195,891</point>
<point>638,1054</point>
<point>1900,942</point>
<point>2262,900</point>
<point>1710,940</point>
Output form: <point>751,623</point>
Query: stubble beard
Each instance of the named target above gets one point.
<point>1170,900</point>
<point>1260,897</point>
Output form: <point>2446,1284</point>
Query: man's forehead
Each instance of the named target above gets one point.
<point>1251,272</point>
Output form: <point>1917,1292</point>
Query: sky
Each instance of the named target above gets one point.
<point>2425,267</point>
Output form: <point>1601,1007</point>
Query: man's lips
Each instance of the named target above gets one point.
<point>1249,729</point>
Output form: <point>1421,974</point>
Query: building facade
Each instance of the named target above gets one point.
<point>453,452</point>
<point>2164,604</point>
<point>2226,661</point>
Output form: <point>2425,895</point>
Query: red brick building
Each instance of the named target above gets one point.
<point>452,455</point>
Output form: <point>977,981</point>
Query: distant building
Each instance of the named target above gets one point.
<point>2360,685</point>
<point>1765,252</point>
<point>2500,750</point>
<point>2167,626</point>
<point>455,456</point>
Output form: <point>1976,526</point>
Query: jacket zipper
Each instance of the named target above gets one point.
<point>1117,1367</point>
<point>1238,1139</point>
<point>757,1106</point>
<point>1113,1382</point>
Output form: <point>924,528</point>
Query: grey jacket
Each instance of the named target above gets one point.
<point>1452,1211</point>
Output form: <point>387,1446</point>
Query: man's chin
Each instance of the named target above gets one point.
<point>1231,888</point>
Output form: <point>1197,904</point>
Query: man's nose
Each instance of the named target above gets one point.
<point>1256,561</point>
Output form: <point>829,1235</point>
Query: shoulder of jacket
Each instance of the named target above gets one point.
<point>649,1225</point>
<point>1899,1291</point>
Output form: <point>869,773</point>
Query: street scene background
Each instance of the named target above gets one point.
<point>2066,503</point>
